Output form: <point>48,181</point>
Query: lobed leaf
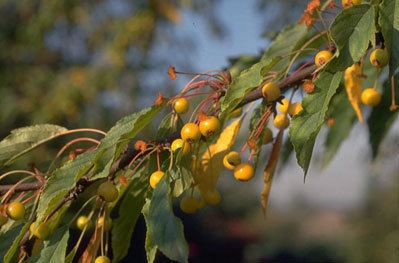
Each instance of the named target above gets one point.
<point>305,126</point>
<point>389,22</point>
<point>23,140</point>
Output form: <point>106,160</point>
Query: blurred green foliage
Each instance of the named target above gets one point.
<point>84,63</point>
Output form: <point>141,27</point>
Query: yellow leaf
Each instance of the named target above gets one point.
<point>211,164</point>
<point>269,170</point>
<point>353,85</point>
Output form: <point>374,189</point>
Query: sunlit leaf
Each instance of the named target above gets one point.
<point>352,30</point>
<point>62,180</point>
<point>23,140</point>
<point>305,126</point>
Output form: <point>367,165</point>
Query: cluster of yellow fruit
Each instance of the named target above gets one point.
<point>84,221</point>
<point>191,204</point>
<point>16,211</point>
<point>242,171</point>
<point>190,133</point>
<point>271,92</point>
<point>379,58</point>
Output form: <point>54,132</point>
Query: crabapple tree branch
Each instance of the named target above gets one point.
<point>294,79</point>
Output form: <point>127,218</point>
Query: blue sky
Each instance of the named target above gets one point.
<point>244,28</point>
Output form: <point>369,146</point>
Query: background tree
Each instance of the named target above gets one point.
<point>317,73</point>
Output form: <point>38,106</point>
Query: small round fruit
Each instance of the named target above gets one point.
<point>267,136</point>
<point>180,144</point>
<point>379,57</point>
<point>155,178</point>
<point>107,191</point>
<point>295,108</point>
<point>41,232</point>
<point>271,91</point>
<point>16,210</point>
<point>82,222</point>
<point>209,126</point>
<point>370,97</point>
<point>3,220</point>
<point>281,121</point>
<point>322,57</point>
<point>181,105</point>
<point>212,197</point>
<point>190,132</point>
<point>349,3</point>
<point>102,259</point>
<point>235,113</point>
<point>231,160</point>
<point>244,172</point>
<point>108,223</point>
<point>189,205</point>
<point>284,106</point>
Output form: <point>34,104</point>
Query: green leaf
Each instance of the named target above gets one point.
<point>150,247</point>
<point>238,64</point>
<point>305,126</point>
<point>55,248</point>
<point>117,138</point>
<point>23,140</point>
<point>166,230</point>
<point>352,30</point>
<point>381,118</point>
<point>129,211</point>
<point>170,124</point>
<point>13,249</point>
<point>8,240</point>
<point>62,180</point>
<point>276,57</point>
<point>345,117</point>
<point>389,22</point>
<point>183,179</point>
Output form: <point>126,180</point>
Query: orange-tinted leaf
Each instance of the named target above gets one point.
<point>269,170</point>
<point>91,250</point>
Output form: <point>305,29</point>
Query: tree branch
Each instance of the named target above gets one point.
<point>21,188</point>
<point>293,79</point>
